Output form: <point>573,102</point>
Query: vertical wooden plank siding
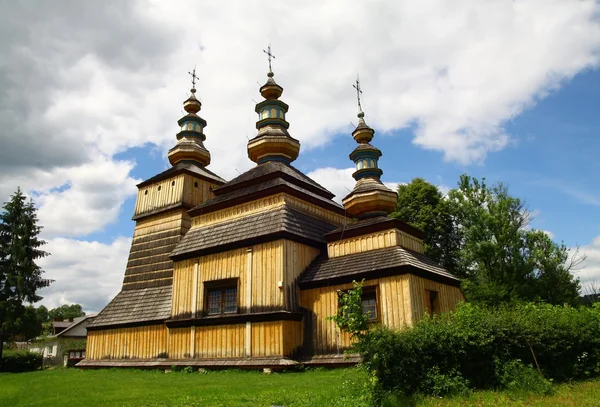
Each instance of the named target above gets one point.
<point>183,290</point>
<point>297,258</point>
<point>178,189</point>
<point>374,241</point>
<point>322,303</point>
<point>179,343</point>
<point>267,339</point>
<point>221,341</point>
<point>448,296</point>
<point>292,337</point>
<point>267,270</point>
<point>143,342</point>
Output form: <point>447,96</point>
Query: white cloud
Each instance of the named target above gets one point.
<point>86,273</point>
<point>549,234</point>
<point>591,267</point>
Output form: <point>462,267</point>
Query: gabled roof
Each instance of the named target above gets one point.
<point>284,222</point>
<point>265,188</point>
<point>135,306</point>
<point>373,264</point>
<point>271,170</point>
<point>184,167</point>
<point>76,321</point>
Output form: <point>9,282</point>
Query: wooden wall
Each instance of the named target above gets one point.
<point>144,342</point>
<point>267,270</point>
<point>378,240</point>
<point>269,203</point>
<point>402,300</point>
<point>180,188</point>
<point>394,308</point>
<point>448,296</point>
<point>297,257</point>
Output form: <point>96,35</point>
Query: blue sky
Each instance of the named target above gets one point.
<point>503,90</point>
<point>552,162</point>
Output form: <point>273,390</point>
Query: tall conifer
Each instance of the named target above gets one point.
<point>20,276</point>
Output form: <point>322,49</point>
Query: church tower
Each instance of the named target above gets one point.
<point>370,197</point>
<point>161,221</point>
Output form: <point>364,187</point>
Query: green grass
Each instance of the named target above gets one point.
<point>73,387</point>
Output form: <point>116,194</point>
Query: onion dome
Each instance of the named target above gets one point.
<point>190,139</point>
<point>273,142</point>
<point>370,197</point>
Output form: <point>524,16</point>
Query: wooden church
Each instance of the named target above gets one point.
<point>244,273</point>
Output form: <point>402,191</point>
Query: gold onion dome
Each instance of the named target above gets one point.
<point>190,139</point>
<point>370,197</point>
<point>272,142</point>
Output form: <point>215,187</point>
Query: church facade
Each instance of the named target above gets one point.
<point>245,273</point>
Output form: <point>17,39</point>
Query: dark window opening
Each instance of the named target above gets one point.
<point>434,303</point>
<point>172,183</point>
<point>159,187</point>
<point>369,304</point>
<point>146,192</point>
<point>196,184</point>
<point>221,297</point>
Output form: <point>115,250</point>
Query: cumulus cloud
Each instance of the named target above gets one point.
<point>591,267</point>
<point>81,83</point>
<point>86,273</point>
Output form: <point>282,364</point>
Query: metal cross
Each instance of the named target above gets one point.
<point>268,52</point>
<point>358,90</point>
<point>194,77</point>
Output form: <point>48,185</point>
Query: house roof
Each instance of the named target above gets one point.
<point>133,306</point>
<point>76,321</point>
<point>184,167</point>
<point>283,222</point>
<point>265,188</point>
<point>272,170</point>
<point>372,264</point>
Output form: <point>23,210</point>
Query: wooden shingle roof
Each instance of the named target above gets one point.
<point>284,222</point>
<point>373,264</point>
<point>136,306</point>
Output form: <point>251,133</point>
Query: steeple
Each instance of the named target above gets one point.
<point>273,142</point>
<point>190,139</point>
<point>369,197</point>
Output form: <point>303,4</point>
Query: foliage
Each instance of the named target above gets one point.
<point>423,206</point>
<point>17,362</point>
<point>475,344</point>
<point>24,325</point>
<point>66,312</point>
<point>481,233</point>
<point>519,378</point>
<point>350,316</point>
<point>20,276</point>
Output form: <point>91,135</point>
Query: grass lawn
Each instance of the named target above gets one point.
<point>72,387</point>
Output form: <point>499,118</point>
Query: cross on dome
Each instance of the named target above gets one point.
<point>270,56</point>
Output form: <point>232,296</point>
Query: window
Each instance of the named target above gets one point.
<point>369,303</point>
<point>221,297</point>
<point>433,302</point>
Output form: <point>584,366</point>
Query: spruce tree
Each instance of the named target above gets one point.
<point>20,276</point>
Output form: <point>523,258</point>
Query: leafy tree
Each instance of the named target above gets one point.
<point>500,257</point>
<point>482,235</point>
<point>422,205</point>
<point>20,276</point>
<point>66,312</point>
<point>24,326</point>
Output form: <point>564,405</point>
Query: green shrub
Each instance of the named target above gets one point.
<point>476,348</point>
<point>518,378</point>
<point>17,362</point>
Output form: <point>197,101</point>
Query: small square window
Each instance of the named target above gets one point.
<point>221,297</point>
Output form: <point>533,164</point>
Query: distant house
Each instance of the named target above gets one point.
<point>66,334</point>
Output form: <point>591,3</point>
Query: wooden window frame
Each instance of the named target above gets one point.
<point>372,291</point>
<point>222,286</point>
